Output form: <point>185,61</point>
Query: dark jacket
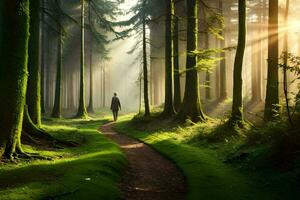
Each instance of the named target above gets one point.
<point>115,104</point>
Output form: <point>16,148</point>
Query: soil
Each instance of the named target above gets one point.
<point>149,175</point>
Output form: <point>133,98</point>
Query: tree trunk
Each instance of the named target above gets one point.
<point>285,60</point>
<point>223,72</point>
<point>43,65</point>
<point>191,106</point>
<point>33,96</point>
<point>272,94</point>
<point>169,65</point>
<point>177,87</point>
<point>207,74</point>
<point>104,86</point>
<point>91,102</point>
<point>237,104</point>
<point>82,113</point>
<point>14,37</point>
<point>56,112</point>
<point>145,69</point>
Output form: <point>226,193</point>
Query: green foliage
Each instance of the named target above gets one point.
<point>293,66</point>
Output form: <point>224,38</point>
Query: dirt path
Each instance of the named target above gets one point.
<point>149,176</point>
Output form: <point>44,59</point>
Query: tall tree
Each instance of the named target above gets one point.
<point>33,96</point>
<point>285,61</point>
<point>56,112</point>
<point>272,94</point>
<point>145,63</point>
<point>14,36</point>
<point>43,57</point>
<point>82,113</point>
<point>237,104</point>
<point>191,106</point>
<point>223,73</point>
<point>169,59</point>
<point>91,101</point>
<point>177,87</point>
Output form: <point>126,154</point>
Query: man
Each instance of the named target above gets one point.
<point>115,106</point>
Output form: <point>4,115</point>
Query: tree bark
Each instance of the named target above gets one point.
<point>14,37</point>
<point>177,87</point>
<point>272,94</point>
<point>43,65</point>
<point>223,72</point>
<point>56,112</point>
<point>33,96</point>
<point>82,113</point>
<point>145,68</point>
<point>191,106</point>
<point>169,60</point>
<point>91,102</point>
<point>237,104</point>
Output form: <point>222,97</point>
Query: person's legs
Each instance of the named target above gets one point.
<point>114,114</point>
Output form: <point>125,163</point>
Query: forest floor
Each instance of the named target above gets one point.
<point>89,171</point>
<point>152,158</point>
<point>205,164</point>
<point>149,175</point>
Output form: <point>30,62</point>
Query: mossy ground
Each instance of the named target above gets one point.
<point>89,171</point>
<point>209,156</point>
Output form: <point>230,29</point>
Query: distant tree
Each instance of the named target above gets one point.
<point>272,94</point>
<point>237,104</point>
<point>14,36</point>
<point>191,106</point>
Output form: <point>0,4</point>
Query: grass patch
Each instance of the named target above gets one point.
<point>90,170</point>
<point>200,152</point>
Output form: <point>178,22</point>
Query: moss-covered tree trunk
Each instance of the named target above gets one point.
<point>177,87</point>
<point>14,35</point>
<point>56,112</point>
<point>237,104</point>
<point>169,59</point>
<point>272,94</point>
<point>145,68</point>
<point>91,101</point>
<point>33,95</point>
<point>191,106</point>
<point>82,113</point>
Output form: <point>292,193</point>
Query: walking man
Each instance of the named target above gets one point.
<point>115,106</point>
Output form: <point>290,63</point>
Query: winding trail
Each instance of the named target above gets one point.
<point>149,175</point>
